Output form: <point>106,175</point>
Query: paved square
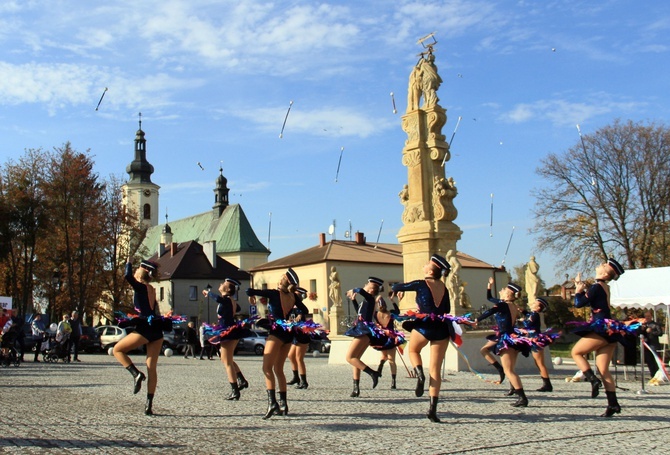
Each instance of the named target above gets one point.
<point>89,408</point>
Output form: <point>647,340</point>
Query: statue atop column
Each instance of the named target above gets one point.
<point>427,196</point>
<point>424,79</point>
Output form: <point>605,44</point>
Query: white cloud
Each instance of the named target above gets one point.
<point>562,112</point>
<point>324,121</point>
<point>60,85</point>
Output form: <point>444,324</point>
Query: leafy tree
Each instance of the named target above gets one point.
<point>608,195</point>
<point>76,236</point>
<point>23,220</point>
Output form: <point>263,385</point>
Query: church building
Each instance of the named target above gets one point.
<point>194,252</point>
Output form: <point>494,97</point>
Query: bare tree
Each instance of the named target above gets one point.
<point>608,196</point>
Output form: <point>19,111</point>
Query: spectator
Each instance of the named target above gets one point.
<point>38,332</point>
<point>651,331</point>
<point>191,338</point>
<point>75,323</point>
<point>63,333</point>
<point>204,344</point>
<point>8,335</point>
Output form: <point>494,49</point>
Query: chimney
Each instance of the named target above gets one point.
<point>209,248</point>
<point>322,239</point>
<point>360,238</point>
<point>173,249</point>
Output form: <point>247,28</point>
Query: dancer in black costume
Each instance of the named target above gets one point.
<point>296,354</point>
<point>280,303</point>
<point>508,343</point>
<point>601,333</point>
<point>228,333</point>
<point>148,330</point>
<point>361,331</point>
<point>386,318</point>
<point>432,324</point>
<point>532,329</point>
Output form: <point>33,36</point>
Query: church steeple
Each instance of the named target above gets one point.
<point>140,194</point>
<point>220,194</point>
<point>140,169</point>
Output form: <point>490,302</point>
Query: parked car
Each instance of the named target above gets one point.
<point>174,339</point>
<point>110,335</point>
<point>322,346</point>
<point>90,340</point>
<point>254,343</point>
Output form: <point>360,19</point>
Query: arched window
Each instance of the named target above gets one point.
<point>147,211</point>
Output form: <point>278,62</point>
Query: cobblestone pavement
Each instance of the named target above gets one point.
<point>89,408</point>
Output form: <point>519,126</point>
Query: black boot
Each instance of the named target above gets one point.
<point>511,391</point>
<point>241,381</point>
<point>546,386</point>
<point>283,404</point>
<point>138,377</point>
<point>612,405</point>
<point>147,406</point>
<point>501,371</point>
<point>420,380</point>
<point>596,384</point>
<point>234,392</point>
<point>393,381</point>
<point>357,390</point>
<point>295,379</point>
<point>273,406</point>
<point>380,367</point>
<point>303,382</point>
<point>522,402</point>
<point>432,411</point>
<point>373,374</point>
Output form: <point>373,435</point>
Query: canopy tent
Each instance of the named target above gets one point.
<point>644,288</point>
<point>641,288</point>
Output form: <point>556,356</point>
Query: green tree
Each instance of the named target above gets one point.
<point>608,195</point>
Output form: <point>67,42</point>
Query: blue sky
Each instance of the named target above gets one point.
<point>213,80</point>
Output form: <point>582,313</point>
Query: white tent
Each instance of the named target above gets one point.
<point>643,288</point>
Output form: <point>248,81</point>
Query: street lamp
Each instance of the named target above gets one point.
<point>209,288</point>
<point>55,282</point>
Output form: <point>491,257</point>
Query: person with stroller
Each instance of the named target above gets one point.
<point>38,329</point>
<point>63,333</point>
<point>148,330</point>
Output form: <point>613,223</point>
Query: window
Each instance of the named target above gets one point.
<point>193,293</point>
<point>162,294</point>
<point>312,286</point>
<point>147,211</point>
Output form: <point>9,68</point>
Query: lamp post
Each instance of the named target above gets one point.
<point>55,281</point>
<point>209,288</point>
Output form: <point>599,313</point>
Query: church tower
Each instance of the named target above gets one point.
<point>220,194</point>
<point>140,194</point>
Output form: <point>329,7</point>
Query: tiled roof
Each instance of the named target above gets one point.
<point>190,262</point>
<point>231,231</point>
<point>346,251</point>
